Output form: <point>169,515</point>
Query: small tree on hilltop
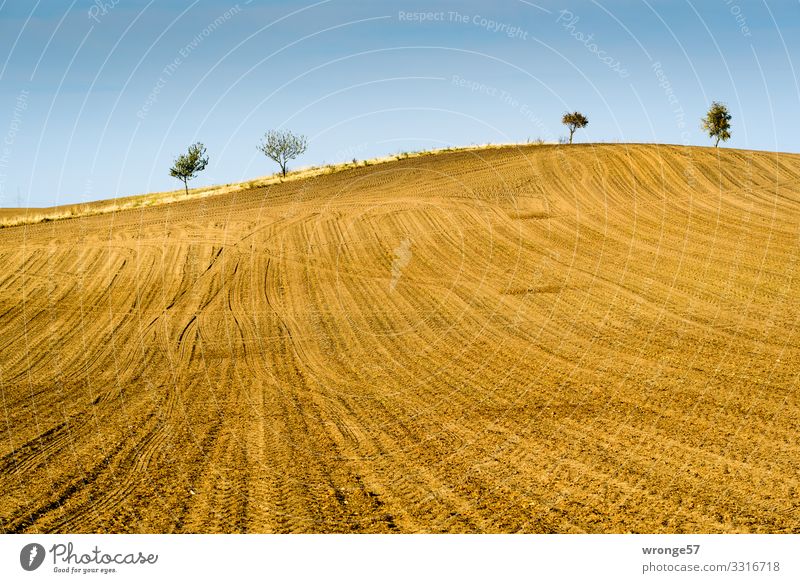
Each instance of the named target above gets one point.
<point>717,122</point>
<point>187,166</point>
<point>574,121</point>
<point>282,146</point>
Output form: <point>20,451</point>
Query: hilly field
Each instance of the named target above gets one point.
<point>561,339</point>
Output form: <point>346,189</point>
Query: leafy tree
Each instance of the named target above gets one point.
<point>282,146</point>
<point>574,121</point>
<point>187,166</point>
<point>717,122</point>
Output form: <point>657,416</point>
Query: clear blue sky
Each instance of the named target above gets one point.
<point>97,98</point>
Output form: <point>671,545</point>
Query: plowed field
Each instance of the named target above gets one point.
<point>595,338</point>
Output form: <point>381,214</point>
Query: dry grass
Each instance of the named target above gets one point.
<point>17,217</point>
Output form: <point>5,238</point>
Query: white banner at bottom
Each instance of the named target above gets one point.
<point>372,558</point>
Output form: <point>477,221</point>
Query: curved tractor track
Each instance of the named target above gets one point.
<point>598,338</point>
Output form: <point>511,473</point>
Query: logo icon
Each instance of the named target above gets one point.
<point>31,556</point>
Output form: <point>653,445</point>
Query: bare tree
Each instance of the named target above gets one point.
<point>186,166</point>
<point>282,146</point>
<point>717,122</point>
<point>574,121</point>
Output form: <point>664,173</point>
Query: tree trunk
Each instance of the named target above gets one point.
<point>283,169</point>
<point>186,186</point>
<point>570,135</point>
<point>717,144</point>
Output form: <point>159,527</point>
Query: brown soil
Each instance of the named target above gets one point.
<point>597,338</point>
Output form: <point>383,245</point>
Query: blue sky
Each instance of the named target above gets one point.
<point>97,98</point>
